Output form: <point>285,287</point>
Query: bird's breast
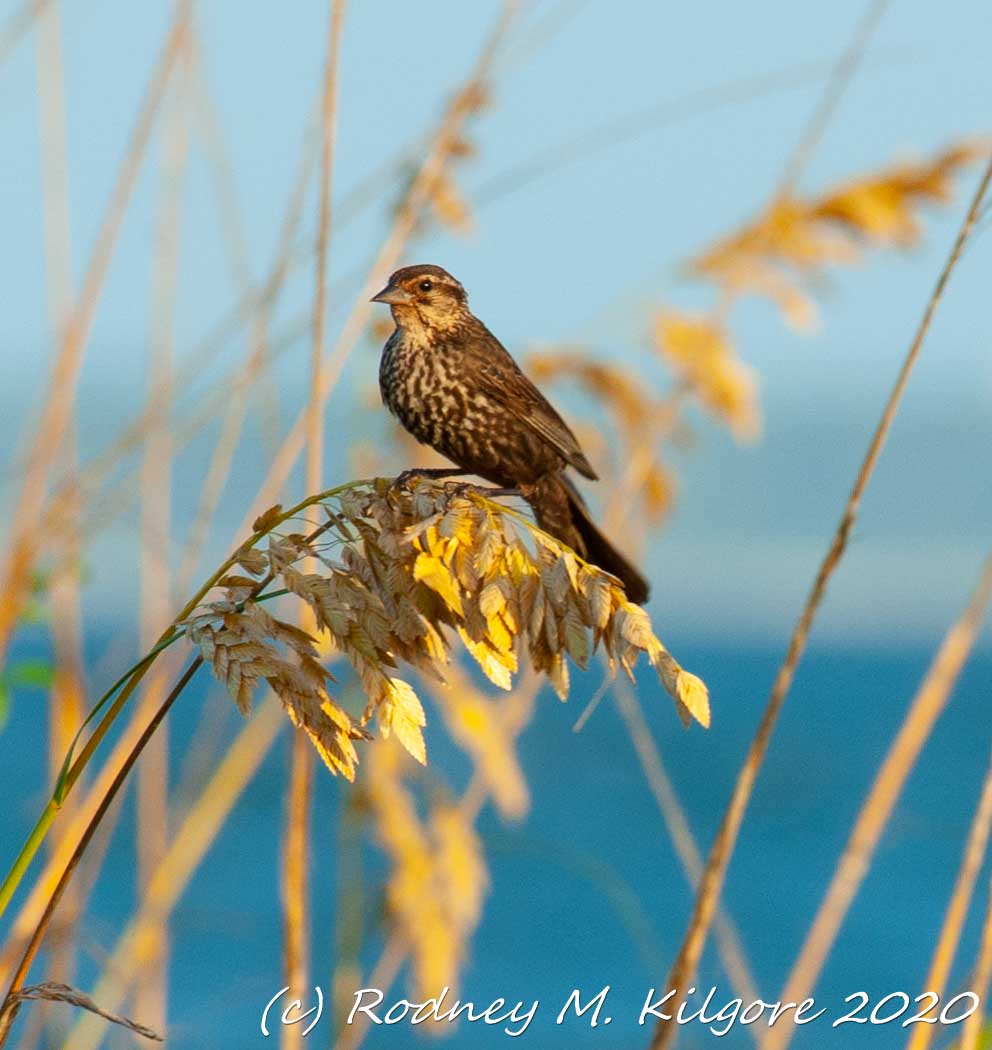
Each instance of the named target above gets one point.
<point>423,388</point>
<point>434,392</point>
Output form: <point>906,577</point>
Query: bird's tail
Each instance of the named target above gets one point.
<point>562,512</point>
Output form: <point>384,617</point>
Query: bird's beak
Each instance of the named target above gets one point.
<point>392,296</point>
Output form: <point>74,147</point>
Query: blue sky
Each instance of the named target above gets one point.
<point>584,254</point>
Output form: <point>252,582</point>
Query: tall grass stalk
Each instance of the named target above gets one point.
<point>152,788</point>
<point>296,837</point>
<point>930,700</point>
<point>687,960</point>
<point>11,1003</point>
<point>957,907</point>
<point>67,698</point>
<point>17,25</point>
<point>193,837</point>
<point>728,940</point>
<point>981,976</point>
<point>830,99</point>
<point>25,536</point>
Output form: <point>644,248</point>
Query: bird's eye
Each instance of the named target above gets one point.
<point>426,286</point>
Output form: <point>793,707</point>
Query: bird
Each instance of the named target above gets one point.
<point>454,387</point>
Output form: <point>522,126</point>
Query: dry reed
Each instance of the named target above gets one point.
<point>152,830</point>
<point>957,907</point>
<point>22,544</point>
<point>853,864</point>
<point>296,839</point>
<point>68,691</point>
<point>687,959</point>
<point>981,975</point>
<point>187,848</point>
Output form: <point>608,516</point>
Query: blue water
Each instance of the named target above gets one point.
<point>587,891</point>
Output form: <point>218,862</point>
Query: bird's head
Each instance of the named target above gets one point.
<point>424,295</point>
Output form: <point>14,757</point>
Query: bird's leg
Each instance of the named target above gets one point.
<point>403,479</point>
<point>466,488</point>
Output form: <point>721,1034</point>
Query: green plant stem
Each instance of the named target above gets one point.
<point>11,1003</point>
<point>127,683</point>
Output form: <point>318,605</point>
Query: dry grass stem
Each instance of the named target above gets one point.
<point>76,814</point>
<point>11,1002</point>
<point>930,700</point>
<point>152,788</point>
<point>957,908</point>
<point>728,940</point>
<point>18,24</point>
<point>981,976</point>
<point>294,890</point>
<point>296,856</point>
<point>190,843</point>
<point>56,992</point>
<point>383,974</point>
<point>830,98</point>
<point>22,544</point>
<point>236,390</point>
<point>212,136</point>
<point>687,960</point>
<point>67,698</point>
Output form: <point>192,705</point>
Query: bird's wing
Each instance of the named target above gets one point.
<point>501,379</point>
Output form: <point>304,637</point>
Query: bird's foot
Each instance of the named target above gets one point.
<point>403,479</point>
<point>466,488</point>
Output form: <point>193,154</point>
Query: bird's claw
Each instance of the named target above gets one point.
<point>459,490</point>
<point>404,478</point>
<point>463,489</point>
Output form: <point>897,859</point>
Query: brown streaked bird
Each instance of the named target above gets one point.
<point>454,387</point>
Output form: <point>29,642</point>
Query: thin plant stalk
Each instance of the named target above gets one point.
<point>11,1004</point>
<point>382,976</point>
<point>68,692</point>
<point>981,976</point>
<point>830,98</point>
<point>248,373</point>
<point>728,940</point>
<point>18,24</point>
<point>957,908</point>
<point>687,960</point>
<point>350,904</point>
<point>152,787</point>
<point>25,534</point>
<point>193,837</point>
<point>930,700</point>
<point>296,838</point>
<point>74,821</point>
